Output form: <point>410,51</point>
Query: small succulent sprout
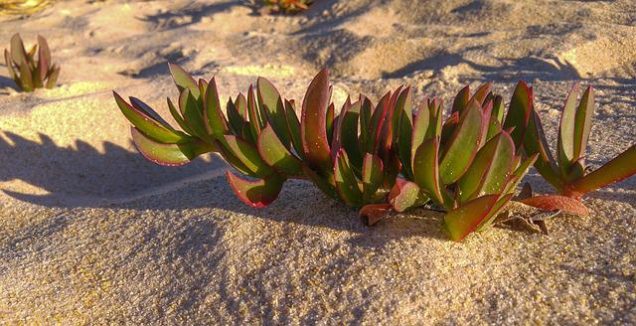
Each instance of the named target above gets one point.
<point>567,173</point>
<point>287,6</point>
<point>468,165</point>
<point>27,72</point>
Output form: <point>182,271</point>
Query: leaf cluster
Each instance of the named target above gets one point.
<point>379,157</point>
<point>27,72</point>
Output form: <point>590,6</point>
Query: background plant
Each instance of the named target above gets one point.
<point>27,72</point>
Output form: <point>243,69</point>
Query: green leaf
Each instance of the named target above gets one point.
<point>257,123</point>
<point>215,124</point>
<point>378,119</point>
<point>365,122</point>
<point>482,93</point>
<point>519,112</point>
<point>404,195</point>
<point>330,119</point>
<point>494,211</point>
<point>183,80</point>
<point>149,126</point>
<point>44,57</point>
<point>519,173</point>
<point>235,120</point>
<point>18,53</point>
<point>372,176</point>
<point>461,100</point>
<point>275,154</point>
<point>26,78</point>
<point>536,143</point>
<point>419,133</point>
<point>168,154</point>
<point>463,145</point>
<point>404,130</point>
<point>426,169</point>
<point>193,115</point>
<point>583,123</point>
<point>621,167</point>
<point>293,126</point>
<point>54,73</point>
<point>256,193</point>
<point>465,219</point>
<point>177,117</point>
<point>346,181</point>
<point>313,124</point>
<point>10,67</point>
<point>325,181</point>
<point>566,132</point>
<point>248,155</point>
<point>349,134</point>
<point>270,101</point>
<point>489,171</point>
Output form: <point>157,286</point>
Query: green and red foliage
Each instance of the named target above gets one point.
<point>27,72</point>
<point>567,173</point>
<point>377,157</point>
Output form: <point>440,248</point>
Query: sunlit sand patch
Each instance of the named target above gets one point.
<point>90,120</point>
<point>75,89</point>
<point>593,58</point>
<point>263,71</point>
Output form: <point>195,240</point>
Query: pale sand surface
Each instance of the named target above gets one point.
<point>92,233</point>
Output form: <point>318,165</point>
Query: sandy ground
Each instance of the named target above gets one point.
<point>91,233</point>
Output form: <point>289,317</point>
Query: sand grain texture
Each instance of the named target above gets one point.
<point>91,233</point>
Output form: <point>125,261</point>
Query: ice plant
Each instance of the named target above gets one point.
<point>287,6</point>
<point>567,173</point>
<point>468,166</point>
<point>27,72</point>
<point>262,138</point>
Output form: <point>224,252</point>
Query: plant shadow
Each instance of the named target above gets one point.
<point>82,176</point>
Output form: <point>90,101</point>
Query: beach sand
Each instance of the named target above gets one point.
<point>92,233</point>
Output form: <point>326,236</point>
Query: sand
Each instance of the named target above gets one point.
<point>91,233</point>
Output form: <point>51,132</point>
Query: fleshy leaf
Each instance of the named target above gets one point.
<point>215,122</point>
<point>271,102</point>
<point>621,167</point>
<point>346,181</point>
<point>419,133</point>
<point>372,168</point>
<point>566,131</point>
<point>583,123</point>
<point>168,154</point>
<point>248,155</point>
<point>373,213</point>
<point>54,73</point>
<point>275,154</point>
<point>490,169</point>
<point>465,219</point>
<point>536,143</point>
<point>193,114</point>
<point>404,195</point>
<point>183,80</point>
<point>557,203</point>
<point>256,193</point>
<point>325,181</point>
<point>293,125</point>
<point>461,100</point>
<point>426,169</point>
<point>146,124</point>
<point>521,107</point>
<point>349,134</point>
<point>18,53</point>
<point>463,145</point>
<point>313,125</point>
<point>44,57</point>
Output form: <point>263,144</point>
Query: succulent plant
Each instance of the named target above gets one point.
<point>567,173</point>
<point>28,73</point>
<point>262,138</point>
<point>468,166</point>
<point>287,6</point>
